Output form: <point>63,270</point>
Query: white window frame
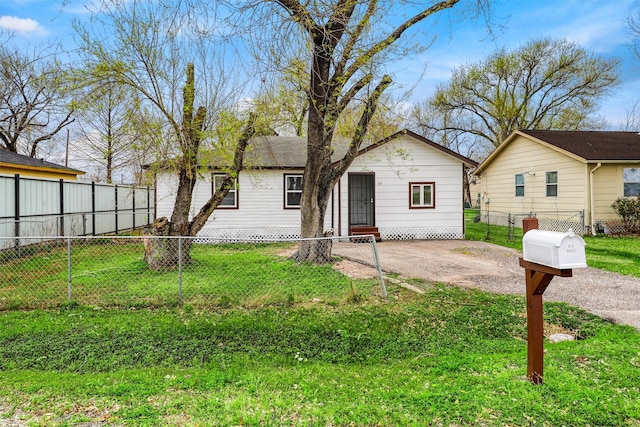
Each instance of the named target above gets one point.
<point>232,192</point>
<point>422,203</point>
<point>550,185</point>
<point>287,191</point>
<point>519,185</point>
<point>631,185</point>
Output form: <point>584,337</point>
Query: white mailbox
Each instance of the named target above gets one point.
<point>554,249</point>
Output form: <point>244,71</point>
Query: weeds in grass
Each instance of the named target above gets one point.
<point>284,356</point>
<point>449,356</point>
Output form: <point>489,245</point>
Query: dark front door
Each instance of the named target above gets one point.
<point>361,200</point>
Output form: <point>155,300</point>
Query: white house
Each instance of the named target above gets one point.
<point>403,187</point>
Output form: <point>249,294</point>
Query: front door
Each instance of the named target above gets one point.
<point>361,200</point>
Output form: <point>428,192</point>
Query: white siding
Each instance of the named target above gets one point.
<point>396,164</point>
<point>403,160</point>
<point>260,212</point>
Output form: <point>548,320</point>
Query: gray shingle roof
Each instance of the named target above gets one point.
<point>291,152</point>
<point>286,151</point>
<point>9,157</point>
<point>593,145</point>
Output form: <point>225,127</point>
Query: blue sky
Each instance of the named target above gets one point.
<point>598,25</point>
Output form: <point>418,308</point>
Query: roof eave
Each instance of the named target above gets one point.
<point>61,169</point>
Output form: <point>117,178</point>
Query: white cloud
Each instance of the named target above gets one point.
<point>21,25</point>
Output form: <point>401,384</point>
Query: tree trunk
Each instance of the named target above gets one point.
<point>163,251</point>
<point>312,213</point>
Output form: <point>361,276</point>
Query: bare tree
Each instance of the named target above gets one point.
<point>109,131</point>
<point>347,42</point>
<point>154,48</point>
<point>285,98</point>
<point>447,129</point>
<point>546,84</point>
<point>632,118</point>
<point>35,103</point>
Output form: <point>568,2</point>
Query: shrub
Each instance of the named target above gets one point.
<point>628,209</point>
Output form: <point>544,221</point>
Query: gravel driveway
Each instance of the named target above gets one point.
<point>495,268</point>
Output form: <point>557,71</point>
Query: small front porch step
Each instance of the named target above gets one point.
<point>363,231</point>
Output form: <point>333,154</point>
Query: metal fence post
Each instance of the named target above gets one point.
<point>179,270</point>
<point>93,208</point>
<point>383,287</point>
<point>133,196</point>
<point>116,207</point>
<point>148,206</point>
<point>61,229</point>
<point>16,201</point>
<point>69,273</point>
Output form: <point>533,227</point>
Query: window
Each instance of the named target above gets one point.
<point>519,185</point>
<point>552,184</point>
<point>231,199</point>
<point>631,182</point>
<point>292,191</point>
<point>422,195</point>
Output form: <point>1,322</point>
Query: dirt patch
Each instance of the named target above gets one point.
<point>355,270</point>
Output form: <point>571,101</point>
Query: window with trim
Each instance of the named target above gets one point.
<point>552,184</point>
<point>422,195</point>
<point>231,199</point>
<point>292,191</point>
<point>519,185</point>
<point>631,182</point>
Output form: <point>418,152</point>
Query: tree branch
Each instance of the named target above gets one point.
<point>395,35</point>
<point>227,183</point>
<point>361,129</point>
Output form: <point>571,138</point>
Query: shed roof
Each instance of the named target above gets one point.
<point>11,159</point>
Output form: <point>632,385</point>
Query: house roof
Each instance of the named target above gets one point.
<point>19,161</point>
<point>593,145</point>
<point>279,152</point>
<point>585,146</point>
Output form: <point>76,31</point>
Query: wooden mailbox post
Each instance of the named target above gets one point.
<point>538,277</point>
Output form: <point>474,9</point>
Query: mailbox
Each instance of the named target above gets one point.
<point>554,249</point>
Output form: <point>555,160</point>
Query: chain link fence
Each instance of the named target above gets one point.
<point>114,272</point>
<point>560,221</point>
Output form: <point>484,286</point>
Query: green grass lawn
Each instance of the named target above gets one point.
<point>114,275</point>
<point>448,357</point>
<point>299,345</point>
<point>616,254</point>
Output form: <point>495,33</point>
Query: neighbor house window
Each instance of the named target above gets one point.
<point>231,199</point>
<point>422,195</point>
<point>631,182</point>
<point>552,184</point>
<point>292,191</point>
<point>519,185</point>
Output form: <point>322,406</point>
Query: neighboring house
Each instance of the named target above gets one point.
<point>13,163</point>
<point>548,171</point>
<point>404,187</point>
